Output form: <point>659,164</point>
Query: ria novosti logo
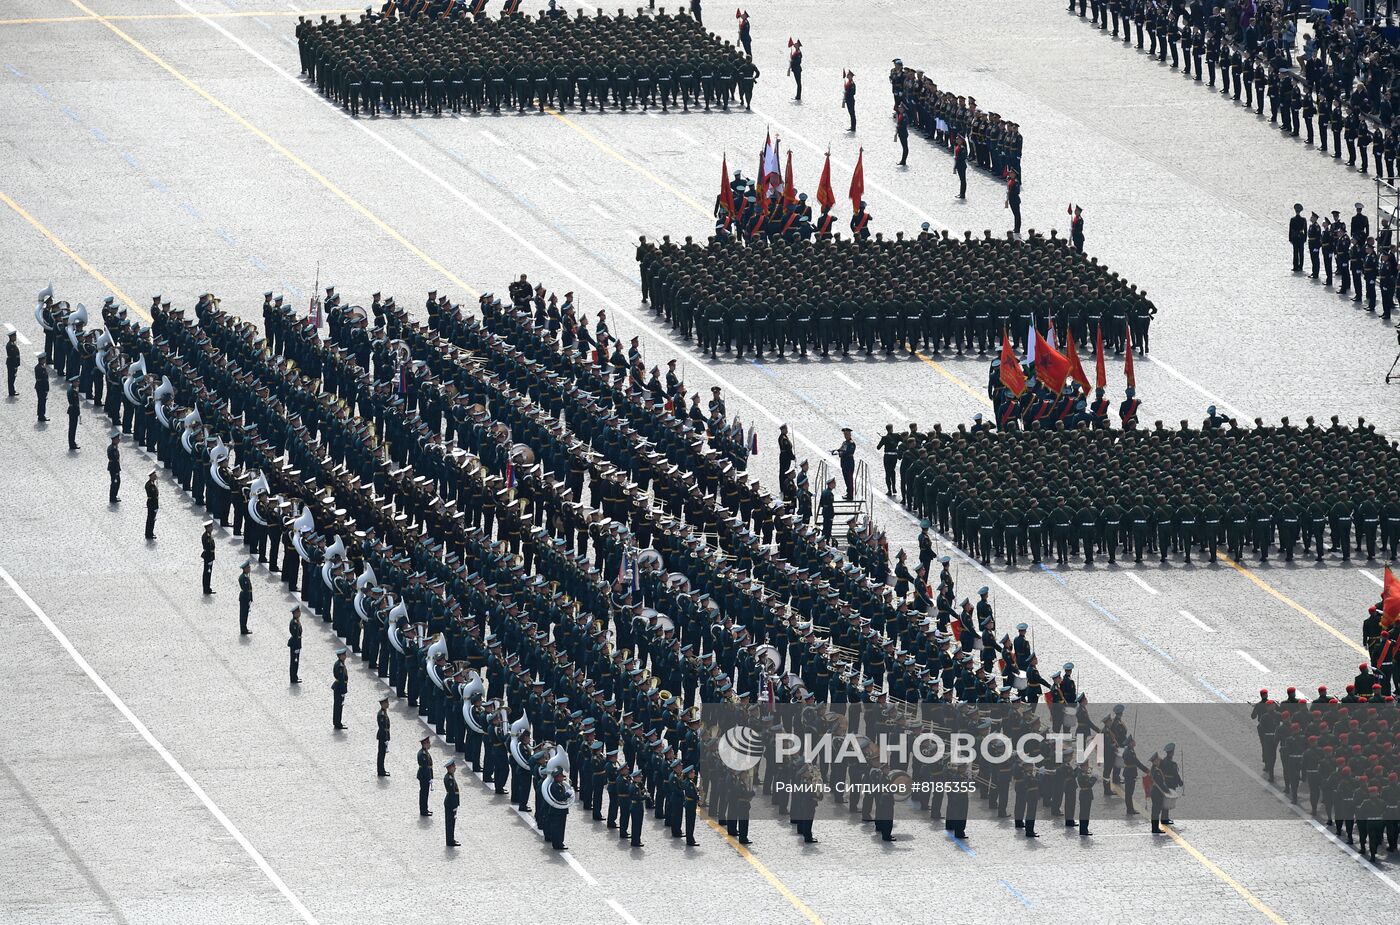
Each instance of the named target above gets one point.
<point>740,748</point>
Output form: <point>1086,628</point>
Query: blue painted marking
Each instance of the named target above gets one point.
<point>1017,893</point>
<point>1214,690</point>
<point>39,89</point>
<point>457,154</point>
<point>806,398</point>
<point>1154,647</point>
<point>1101,609</point>
<point>636,280</point>
<point>260,21</point>
<point>294,290</point>
<point>131,160</point>
<point>563,230</point>
<point>526,203</point>
<point>13,70</point>
<point>488,177</point>
<point>99,135</point>
<point>67,111</point>
<point>960,843</point>
<point>159,185</point>
<point>190,211</point>
<point>763,368</point>
<point>256,261</point>
<point>289,41</point>
<point>228,238</point>
<point>1052,573</point>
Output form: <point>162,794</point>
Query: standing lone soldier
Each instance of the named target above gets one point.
<point>41,387</point>
<point>114,468</point>
<point>207,542</point>
<point>11,364</point>
<point>382,719</point>
<point>1298,236</point>
<point>425,776</point>
<point>846,452</point>
<point>1013,199</point>
<point>294,645</point>
<point>827,506</point>
<point>450,798</point>
<point>75,409</point>
<point>848,97</point>
<point>960,165</point>
<point>339,686</point>
<point>152,505</point>
<point>795,65</point>
<point>901,133</point>
<point>1076,229</point>
<point>245,598</point>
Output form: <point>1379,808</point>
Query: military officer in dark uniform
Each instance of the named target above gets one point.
<point>451,799</point>
<point>74,413</point>
<point>826,506</point>
<point>890,444</point>
<point>846,454</point>
<point>340,683</point>
<point>381,735</point>
<point>245,597</point>
<point>41,386</point>
<point>114,468</point>
<point>206,554</point>
<point>294,645</point>
<point>11,364</point>
<point>425,775</point>
<point>152,505</point>
<point>1298,236</point>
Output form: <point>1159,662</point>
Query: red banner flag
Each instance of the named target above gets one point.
<point>789,188</point>
<point>1128,359</point>
<point>1390,595</point>
<point>858,182</point>
<point>825,196</point>
<point>726,195</point>
<point>1076,368</point>
<point>1011,374</point>
<point>1100,377</point>
<point>1051,367</point>
<point>763,156</point>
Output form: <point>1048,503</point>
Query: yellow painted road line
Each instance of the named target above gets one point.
<point>767,874</point>
<point>72,255</point>
<point>946,374</point>
<point>131,17</point>
<point>608,149</point>
<point>1269,589</point>
<point>281,149</point>
<point>1234,884</point>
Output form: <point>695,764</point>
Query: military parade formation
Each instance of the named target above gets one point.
<point>432,490</point>
<point>464,61</point>
<point>1342,77</point>
<point>957,123</point>
<point>542,542</point>
<point>790,292</point>
<point>1095,491</point>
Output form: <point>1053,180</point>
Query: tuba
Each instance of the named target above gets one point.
<point>300,527</point>
<point>76,317</point>
<point>217,457</point>
<point>334,554</point>
<point>191,422</point>
<point>39,298</point>
<point>256,490</point>
<point>476,723</point>
<point>362,584</point>
<point>521,456</point>
<point>395,638</point>
<point>130,386</point>
<point>767,656</point>
<point>165,390</point>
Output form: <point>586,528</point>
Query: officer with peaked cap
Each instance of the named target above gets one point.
<point>381,734</point>
<point>152,504</point>
<point>206,555</point>
<point>245,597</point>
<point>114,467</point>
<point>294,645</point>
<point>12,363</point>
<point>340,683</point>
<point>451,799</point>
<point>425,775</point>
<point>41,385</point>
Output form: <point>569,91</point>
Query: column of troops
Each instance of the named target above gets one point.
<point>651,60</point>
<point>432,492</point>
<point>930,292</point>
<point>1344,77</point>
<point>1030,494</point>
<point>992,143</point>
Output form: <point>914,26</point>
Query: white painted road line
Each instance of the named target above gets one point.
<point>1364,573</point>
<point>1144,585</point>
<point>21,338</point>
<point>578,869</point>
<point>600,210</point>
<point>493,138</point>
<point>893,410</point>
<point>563,186</point>
<point>847,379</point>
<point>527,162</point>
<point>688,139</point>
<point>1251,659</point>
<point>1188,616</point>
<point>160,750</point>
<point>626,916</point>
